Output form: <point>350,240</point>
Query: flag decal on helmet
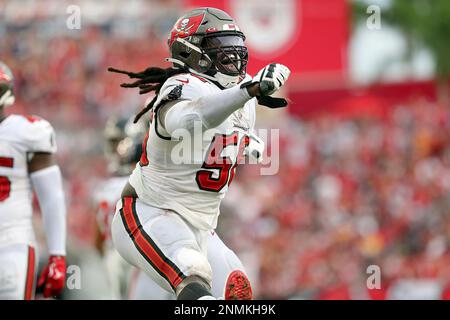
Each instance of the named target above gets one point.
<point>185,27</point>
<point>230,26</point>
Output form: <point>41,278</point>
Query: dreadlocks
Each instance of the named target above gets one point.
<point>151,79</point>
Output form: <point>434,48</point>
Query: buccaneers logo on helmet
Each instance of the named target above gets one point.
<point>6,86</point>
<point>185,27</point>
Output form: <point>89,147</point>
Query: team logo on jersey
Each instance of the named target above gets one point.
<point>185,27</point>
<point>175,93</point>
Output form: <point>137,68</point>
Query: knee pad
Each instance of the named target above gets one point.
<point>193,263</point>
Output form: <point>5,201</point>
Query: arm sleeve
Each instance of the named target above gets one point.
<point>47,183</point>
<point>211,110</point>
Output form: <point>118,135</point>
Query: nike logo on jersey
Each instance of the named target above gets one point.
<point>183,81</point>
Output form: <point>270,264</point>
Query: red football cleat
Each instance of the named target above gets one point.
<point>238,287</point>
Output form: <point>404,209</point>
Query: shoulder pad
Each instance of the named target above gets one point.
<point>182,87</point>
<point>38,134</point>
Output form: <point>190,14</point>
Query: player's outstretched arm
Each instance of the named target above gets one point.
<point>269,79</point>
<point>215,108</point>
<point>46,179</point>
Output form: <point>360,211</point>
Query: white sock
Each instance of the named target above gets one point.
<point>207,298</point>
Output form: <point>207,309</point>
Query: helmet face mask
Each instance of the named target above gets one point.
<point>227,53</point>
<point>123,144</point>
<point>207,41</point>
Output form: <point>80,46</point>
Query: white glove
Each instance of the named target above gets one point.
<point>255,148</point>
<point>271,78</point>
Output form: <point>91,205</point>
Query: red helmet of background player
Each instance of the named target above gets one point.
<point>6,86</point>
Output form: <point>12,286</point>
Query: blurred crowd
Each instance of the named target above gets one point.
<point>61,75</point>
<point>349,194</point>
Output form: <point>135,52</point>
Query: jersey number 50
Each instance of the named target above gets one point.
<point>5,183</point>
<point>224,165</point>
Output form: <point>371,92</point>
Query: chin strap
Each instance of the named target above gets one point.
<point>180,64</point>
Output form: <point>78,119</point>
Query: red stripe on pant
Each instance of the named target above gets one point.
<point>29,282</point>
<point>147,248</point>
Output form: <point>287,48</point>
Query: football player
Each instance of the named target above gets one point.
<point>168,208</point>
<point>123,148</point>
<point>27,161</point>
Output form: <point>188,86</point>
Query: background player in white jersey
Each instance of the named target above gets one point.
<point>27,147</point>
<point>171,203</point>
<point>123,148</point>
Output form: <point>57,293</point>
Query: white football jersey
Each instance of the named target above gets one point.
<point>20,137</point>
<point>194,187</point>
<point>105,198</point>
